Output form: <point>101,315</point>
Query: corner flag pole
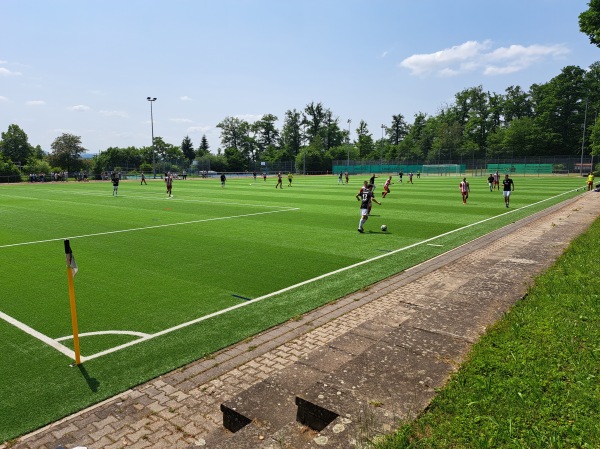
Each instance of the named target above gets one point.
<point>71,271</point>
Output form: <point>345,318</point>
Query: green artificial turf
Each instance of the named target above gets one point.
<point>148,263</point>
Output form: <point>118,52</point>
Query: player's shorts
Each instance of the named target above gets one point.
<point>364,212</point>
<point>506,193</point>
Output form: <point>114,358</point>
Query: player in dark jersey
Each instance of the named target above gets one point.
<point>365,196</point>
<point>169,183</point>
<point>115,183</point>
<point>508,186</point>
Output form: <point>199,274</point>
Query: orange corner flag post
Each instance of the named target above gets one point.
<point>71,271</point>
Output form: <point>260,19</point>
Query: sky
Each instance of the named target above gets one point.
<point>87,67</point>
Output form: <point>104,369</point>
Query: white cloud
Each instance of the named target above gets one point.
<point>474,56</point>
<point>114,114</point>
<point>35,103</point>
<point>185,98</point>
<point>180,120</point>
<point>199,129</point>
<point>3,99</point>
<point>80,107</point>
<point>6,72</point>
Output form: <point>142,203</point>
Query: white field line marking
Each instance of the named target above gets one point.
<point>308,281</point>
<point>144,228</point>
<point>28,330</point>
<point>89,334</point>
<point>159,196</point>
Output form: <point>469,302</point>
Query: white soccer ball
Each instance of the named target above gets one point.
<point>384,228</point>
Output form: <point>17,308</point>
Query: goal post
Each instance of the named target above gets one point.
<point>442,169</point>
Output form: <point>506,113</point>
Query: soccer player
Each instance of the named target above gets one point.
<point>223,179</point>
<point>400,176</point>
<point>143,181</point>
<point>410,176</point>
<point>365,197</point>
<point>169,182</point>
<point>464,190</point>
<point>115,183</point>
<point>290,177</point>
<point>491,182</point>
<point>508,186</point>
<point>347,176</point>
<point>372,180</point>
<point>279,181</point>
<point>386,187</point>
<point>497,180</point>
<point>340,178</point>
<point>590,181</point>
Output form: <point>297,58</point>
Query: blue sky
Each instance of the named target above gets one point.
<point>86,67</point>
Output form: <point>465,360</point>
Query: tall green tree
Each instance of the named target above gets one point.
<point>398,129</point>
<point>187,148</point>
<point>233,131</point>
<point>266,133</point>
<point>589,22</point>
<point>559,107</point>
<point>66,152</point>
<point>203,148</point>
<point>291,134</point>
<point>517,104</point>
<point>14,145</point>
<point>364,142</point>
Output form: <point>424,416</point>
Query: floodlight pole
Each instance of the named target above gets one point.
<point>583,138</point>
<point>381,155</point>
<point>152,100</point>
<point>349,121</point>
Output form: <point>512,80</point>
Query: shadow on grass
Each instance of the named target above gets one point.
<point>91,381</point>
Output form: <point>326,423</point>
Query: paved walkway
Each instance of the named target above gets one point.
<point>182,409</point>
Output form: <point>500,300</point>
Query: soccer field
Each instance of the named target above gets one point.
<point>165,281</point>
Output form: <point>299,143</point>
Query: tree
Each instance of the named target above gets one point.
<point>14,145</point>
<point>9,172</point>
<point>203,148</point>
<point>559,107</point>
<point>291,134</point>
<point>398,130</point>
<point>266,134</point>
<point>66,152</point>
<point>516,104</point>
<point>187,148</point>
<point>364,141</point>
<point>233,131</point>
<point>589,22</point>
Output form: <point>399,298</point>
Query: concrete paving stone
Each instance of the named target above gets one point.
<point>106,430</point>
<point>352,343</point>
<point>326,359</point>
<point>63,430</point>
<point>155,407</point>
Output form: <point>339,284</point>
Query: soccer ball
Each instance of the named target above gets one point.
<point>383,228</point>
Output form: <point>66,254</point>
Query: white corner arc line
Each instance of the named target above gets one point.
<point>90,334</point>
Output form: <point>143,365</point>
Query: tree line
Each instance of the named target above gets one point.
<point>558,117</point>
